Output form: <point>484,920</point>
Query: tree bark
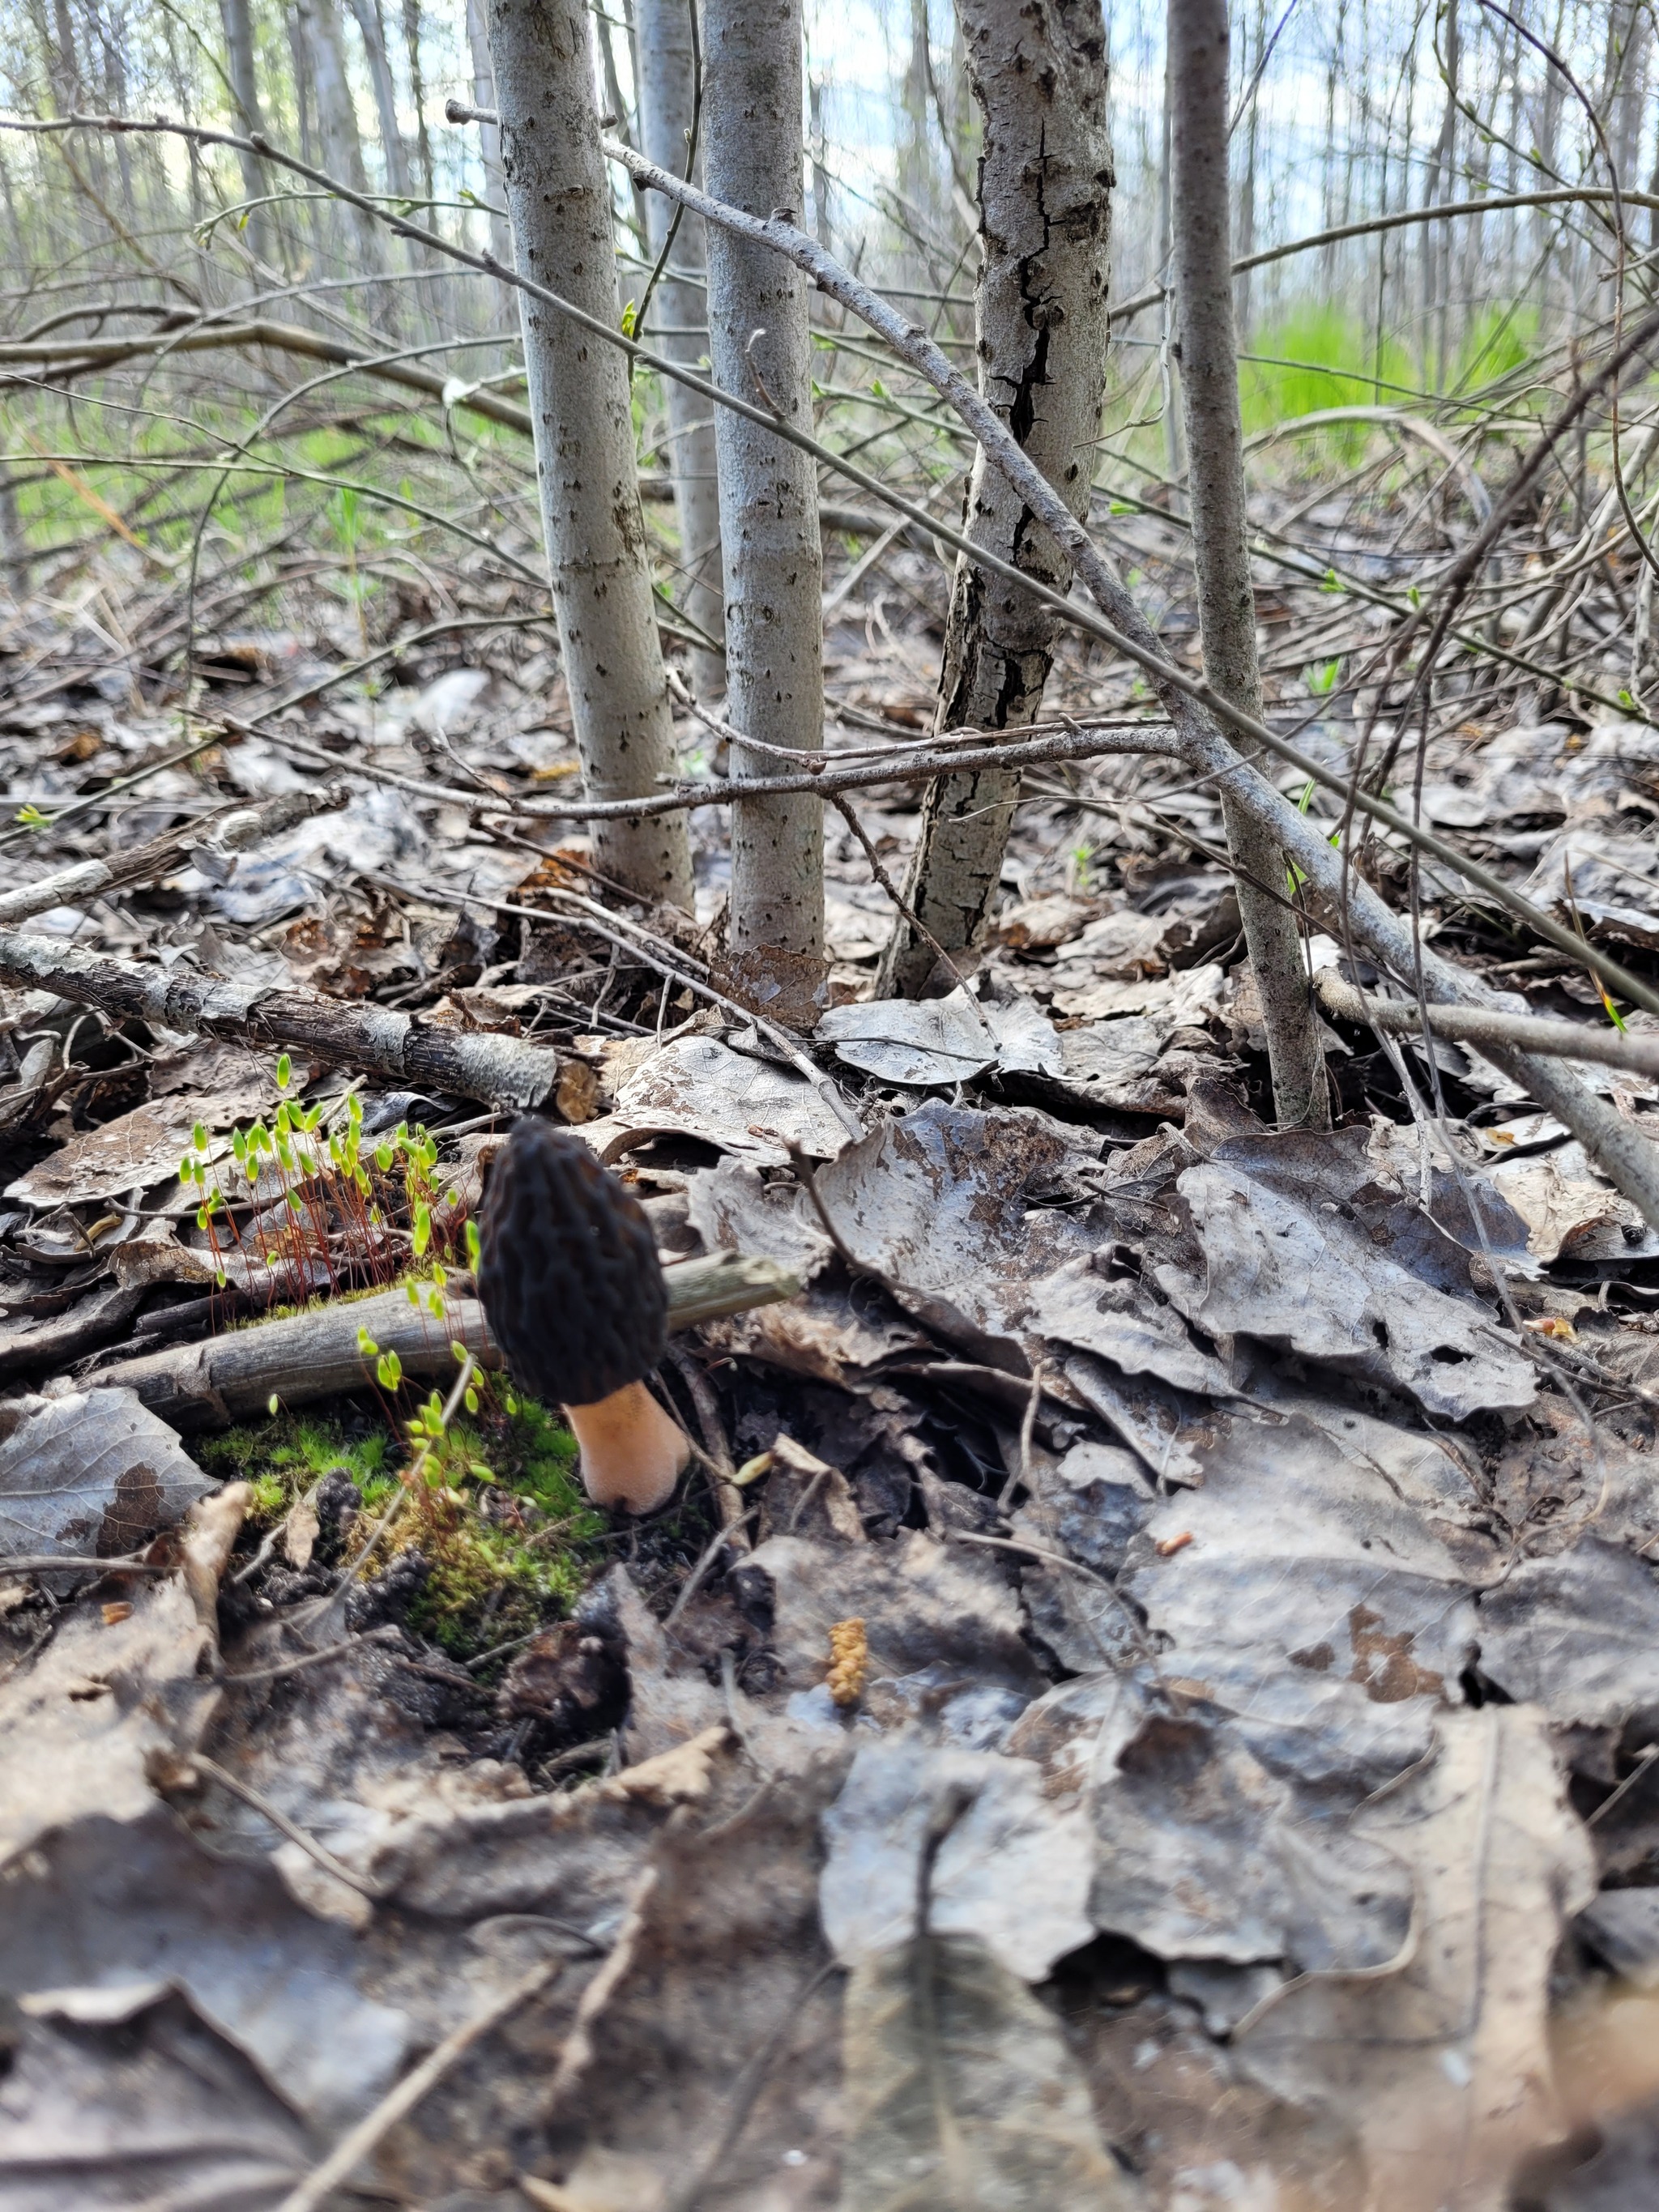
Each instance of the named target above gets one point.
<point>341,146</point>
<point>668,74</point>
<point>237,16</point>
<point>560,204</point>
<point>772,556</point>
<point>489,141</point>
<point>1226,600</point>
<point>1039,76</point>
<point>385,95</point>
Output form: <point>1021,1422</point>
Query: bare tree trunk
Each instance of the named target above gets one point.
<point>668,78</point>
<point>1039,76</point>
<point>559,200</point>
<point>305,91</point>
<point>412,37</point>
<point>773,559</point>
<point>338,143</point>
<point>385,95</point>
<point>336,117</point>
<point>1226,602</point>
<point>237,16</point>
<point>490,144</point>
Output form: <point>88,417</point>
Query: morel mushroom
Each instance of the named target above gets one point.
<point>574,1293</point>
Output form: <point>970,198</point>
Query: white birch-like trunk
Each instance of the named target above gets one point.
<point>1226,600</point>
<point>773,560</point>
<point>679,317</point>
<point>1038,74</point>
<point>559,201</point>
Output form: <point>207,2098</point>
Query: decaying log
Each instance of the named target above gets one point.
<point>498,1071</point>
<point>309,1356</point>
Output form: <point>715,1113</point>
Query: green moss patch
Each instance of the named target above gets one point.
<point>501,1517</point>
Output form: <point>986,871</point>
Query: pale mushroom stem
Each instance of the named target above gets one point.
<point>632,1453</point>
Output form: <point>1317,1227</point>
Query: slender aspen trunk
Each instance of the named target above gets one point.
<point>489,144</point>
<point>412,38</point>
<point>336,116</point>
<point>385,94</point>
<point>1039,76</point>
<point>679,318</point>
<point>237,16</point>
<point>339,144</point>
<point>1226,601</point>
<point>773,560</point>
<point>559,200</point>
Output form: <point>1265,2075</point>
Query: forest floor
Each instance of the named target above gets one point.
<point>1147,1697</point>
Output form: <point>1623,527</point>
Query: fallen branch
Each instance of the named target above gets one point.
<point>499,1071</point>
<point>310,1356</point>
<point>85,356</point>
<point>1083,742</point>
<point>1484,1026</point>
<point>217,837</point>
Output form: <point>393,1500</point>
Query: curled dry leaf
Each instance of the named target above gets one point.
<point>1303,1276</point>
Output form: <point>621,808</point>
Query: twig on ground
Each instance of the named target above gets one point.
<point>699,1573</point>
<point>728,1499</point>
<point>180,1776</point>
<point>231,830</point>
<point>1022,1475</point>
<point>400,2101</point>
<point>1482,1025</point>
<point>578,2052</point>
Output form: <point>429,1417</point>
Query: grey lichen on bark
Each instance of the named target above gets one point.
<point>761,344</point>
<point>597,555</point>
<point>1039,76</point>
<point>1198,68</point>
<point>680,314</point>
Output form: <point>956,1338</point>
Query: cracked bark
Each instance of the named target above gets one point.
<point>1038,74</point>
<point>680,320</point>
<point>1198,67</point>
<point>773,559</point>
<point>559,201</point>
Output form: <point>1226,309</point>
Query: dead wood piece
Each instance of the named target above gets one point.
<point>221,834</point>
<point>1483,1026</point>
<point>318,1355</point>
<point>497,1070</point>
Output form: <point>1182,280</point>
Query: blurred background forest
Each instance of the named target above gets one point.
<point>179,325</point>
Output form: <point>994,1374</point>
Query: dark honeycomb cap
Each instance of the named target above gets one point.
<point>567,1270</point>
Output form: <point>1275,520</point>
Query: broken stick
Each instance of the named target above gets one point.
<point>497,1070</point>
<point>210,843</point>
<point>310,1356</point>
<point>1484,1026</point>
